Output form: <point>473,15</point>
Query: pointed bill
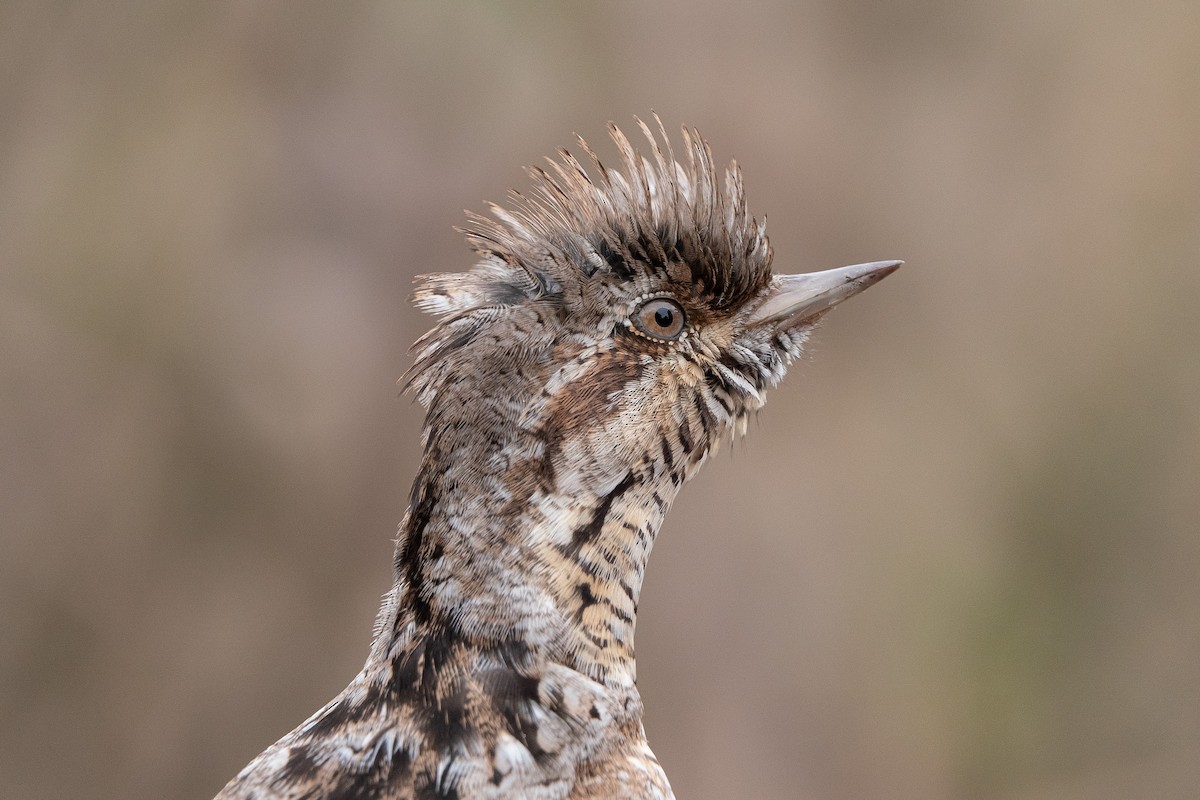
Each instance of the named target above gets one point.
<point>794,299</point>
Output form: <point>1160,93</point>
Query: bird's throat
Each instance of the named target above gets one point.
<point>551,566</point>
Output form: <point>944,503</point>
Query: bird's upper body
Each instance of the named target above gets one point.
<point>617,326</point>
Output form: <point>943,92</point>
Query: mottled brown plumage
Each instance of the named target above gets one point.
<point>617,326</point>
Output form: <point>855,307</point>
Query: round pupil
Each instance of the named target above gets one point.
<point>663,317</point>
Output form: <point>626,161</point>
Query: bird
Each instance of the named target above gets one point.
<point>617,326</point>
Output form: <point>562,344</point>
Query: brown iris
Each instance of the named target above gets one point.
<point>660,318</point>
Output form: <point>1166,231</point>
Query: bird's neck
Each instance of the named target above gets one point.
<point>513,544</point>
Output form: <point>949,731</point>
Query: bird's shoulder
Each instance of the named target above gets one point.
<point>452,722</point>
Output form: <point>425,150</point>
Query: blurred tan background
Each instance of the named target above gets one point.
<point>958,556</point>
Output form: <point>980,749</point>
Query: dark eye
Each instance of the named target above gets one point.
<point>660,318</point>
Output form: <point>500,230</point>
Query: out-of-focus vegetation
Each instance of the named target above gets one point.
<point>959,554</point>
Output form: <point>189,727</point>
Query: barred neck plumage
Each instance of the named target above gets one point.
<point>534,520</point>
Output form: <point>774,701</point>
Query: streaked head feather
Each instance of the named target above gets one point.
<point>655,218</point>
<point>653,214</point>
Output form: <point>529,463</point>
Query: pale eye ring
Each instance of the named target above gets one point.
<point>660,318</point>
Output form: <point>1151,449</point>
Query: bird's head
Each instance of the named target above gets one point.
<point>625,316</point>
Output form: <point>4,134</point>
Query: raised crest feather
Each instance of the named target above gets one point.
<point>582,219</point>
